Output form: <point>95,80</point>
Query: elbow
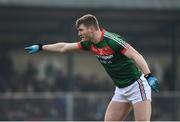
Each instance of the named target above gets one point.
<point>62,50</point>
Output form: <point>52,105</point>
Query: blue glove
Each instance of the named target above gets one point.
<point>153,82</point>
<point>34,48</point>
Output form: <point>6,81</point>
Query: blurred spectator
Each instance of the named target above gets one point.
<point>91,83</point>
<point>28,81</point>
<point>7,72</point>
<point>78,82</point>
<point>61,82</point>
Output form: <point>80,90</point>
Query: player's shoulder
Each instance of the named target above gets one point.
<point>85,44</point>
<point>114,38</point>
<point>111,35</point>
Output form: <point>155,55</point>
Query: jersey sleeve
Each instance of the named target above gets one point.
<point>84,45</point>
<point>118,45</point>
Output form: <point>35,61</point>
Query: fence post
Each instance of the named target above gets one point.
<point>70,107</point>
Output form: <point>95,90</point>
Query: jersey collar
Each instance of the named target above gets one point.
<point>102,34</point>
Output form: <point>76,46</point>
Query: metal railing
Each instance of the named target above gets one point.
<point>77,106</point>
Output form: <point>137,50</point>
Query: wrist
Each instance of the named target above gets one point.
<point>148,75</point>
<point>40,46</point>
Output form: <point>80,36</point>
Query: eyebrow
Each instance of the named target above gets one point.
<point>80,29</point>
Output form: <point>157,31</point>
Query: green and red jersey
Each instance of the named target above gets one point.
<point>110,52</point>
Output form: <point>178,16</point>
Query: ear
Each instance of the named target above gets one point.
<point>91,28</point>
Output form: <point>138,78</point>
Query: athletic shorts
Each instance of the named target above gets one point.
<point>136,92</point>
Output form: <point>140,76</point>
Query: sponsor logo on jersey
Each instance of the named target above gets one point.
<point>104,54</point>
<point>105,59</point>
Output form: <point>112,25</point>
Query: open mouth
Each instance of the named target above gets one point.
<point>82,37</point>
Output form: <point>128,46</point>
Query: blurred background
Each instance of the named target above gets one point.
<point>74,86</point>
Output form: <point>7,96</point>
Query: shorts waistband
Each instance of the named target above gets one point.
<point>131,82</point>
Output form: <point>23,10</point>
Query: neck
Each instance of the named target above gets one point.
<point>97,36</point>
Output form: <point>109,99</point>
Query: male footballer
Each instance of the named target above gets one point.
<point>127,68</point>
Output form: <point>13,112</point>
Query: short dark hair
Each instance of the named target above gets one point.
<point>88,20</point>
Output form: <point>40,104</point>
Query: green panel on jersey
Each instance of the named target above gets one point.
<point>121,69</point>
<point>101,44</point>
<point>116,42</point>
<point>86,45</point>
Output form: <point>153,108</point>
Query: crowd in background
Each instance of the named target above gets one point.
<point>55,81</point>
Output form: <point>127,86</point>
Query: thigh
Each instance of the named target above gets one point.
<point>117,111</point>
<point>142,110</point>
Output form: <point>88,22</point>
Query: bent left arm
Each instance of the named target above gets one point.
<point>131,53</point>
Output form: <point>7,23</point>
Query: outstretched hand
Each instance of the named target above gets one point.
<point>33,48</point>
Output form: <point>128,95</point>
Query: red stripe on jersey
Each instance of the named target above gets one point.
<point>79,45</point>
<point>123,51</point>
<point>125,48</point>
<point>102,35</point>
<point>102,51</point>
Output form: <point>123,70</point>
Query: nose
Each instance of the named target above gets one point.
<point>79,33</point>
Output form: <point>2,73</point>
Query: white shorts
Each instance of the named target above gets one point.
<point>136,92</point>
